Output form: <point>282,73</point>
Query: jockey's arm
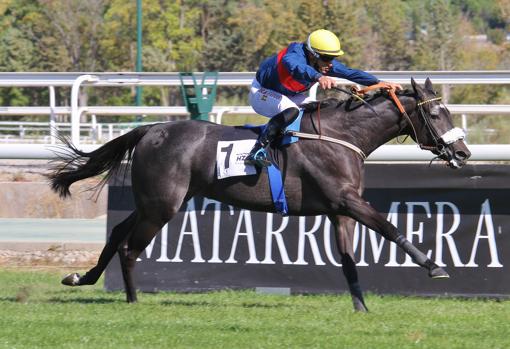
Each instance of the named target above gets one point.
<point>358,76</point>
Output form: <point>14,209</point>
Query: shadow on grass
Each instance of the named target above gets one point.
<point>224,305</point>
<point>56,300</point>
<point>84,300</point>
<point>265,305</point>
<point>190,303</point>
<point>9,299</point>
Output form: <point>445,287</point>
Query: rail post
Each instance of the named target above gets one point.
<point>199,97</point>
<point>75,112</point>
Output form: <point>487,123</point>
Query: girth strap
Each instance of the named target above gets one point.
<point>329,139</point>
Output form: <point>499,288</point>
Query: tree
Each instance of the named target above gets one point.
<point>504,10</point>
<point>484,15</point>
<point>17,51</point>
<point>171,40</point>
<point>436,44</point>
<point>389,47</point>
<point>72,25</point>
<point>234,40</point>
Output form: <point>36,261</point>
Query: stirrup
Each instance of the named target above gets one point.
<point>259,159</point>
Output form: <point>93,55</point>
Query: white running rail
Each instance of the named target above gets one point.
<point>76,80</point>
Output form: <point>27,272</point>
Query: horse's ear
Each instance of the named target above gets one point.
<point>428,85</point>
<point>415,86</point>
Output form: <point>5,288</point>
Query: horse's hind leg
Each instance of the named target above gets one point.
<point>344,232</point>
<point>119,233</point>
<point>144,231</point>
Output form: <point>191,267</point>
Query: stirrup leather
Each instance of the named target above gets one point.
<point>259,158</point>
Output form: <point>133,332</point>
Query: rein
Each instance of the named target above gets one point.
<point>397,102</point>
<point>448,138</point>
<point>357,96</point>
<point>402,110</point>
<point>319,136</point>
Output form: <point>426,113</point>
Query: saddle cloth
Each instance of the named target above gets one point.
<point>230,155</point>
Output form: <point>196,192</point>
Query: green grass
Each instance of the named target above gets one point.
<point>37,312</point>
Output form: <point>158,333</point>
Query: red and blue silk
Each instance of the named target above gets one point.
<point>290,73</point>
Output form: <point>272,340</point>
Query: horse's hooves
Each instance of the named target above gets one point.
<point>438,273</point>
<point>359,306</point>
<point>361,309</point>
<point>71,280</point>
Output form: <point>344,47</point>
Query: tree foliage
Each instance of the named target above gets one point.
<point>229,35</point>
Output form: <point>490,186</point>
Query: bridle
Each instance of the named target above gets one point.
<point>440,141</point>
<point>432,131</point>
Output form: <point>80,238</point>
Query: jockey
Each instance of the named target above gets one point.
<point>278,88</point>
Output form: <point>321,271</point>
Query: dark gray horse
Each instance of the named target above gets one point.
<point>172,162</point>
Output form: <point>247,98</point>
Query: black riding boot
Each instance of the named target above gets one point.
<point>273,129</point>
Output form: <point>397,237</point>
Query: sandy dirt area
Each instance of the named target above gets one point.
<point>51,259</point>
<point>23,170</point>
<point>25,192</point>
<point>31,172</point>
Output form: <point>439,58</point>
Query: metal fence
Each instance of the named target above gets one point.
<point>94,130</point>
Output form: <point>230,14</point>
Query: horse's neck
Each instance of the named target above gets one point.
<point>365,129</point>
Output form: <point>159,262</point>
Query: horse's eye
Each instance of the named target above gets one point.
<point>434,111</point>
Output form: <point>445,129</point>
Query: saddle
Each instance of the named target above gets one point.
<point>231,153</point>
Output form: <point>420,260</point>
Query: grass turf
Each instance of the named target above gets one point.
<point>37,312</point>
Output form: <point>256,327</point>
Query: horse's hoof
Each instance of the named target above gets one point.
<point>438,273</point>
<point>359,305</point>
<point>71,280</point>
<point>360,308</point>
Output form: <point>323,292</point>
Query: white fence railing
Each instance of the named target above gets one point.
<point>480,152</point>
<point>97,131</point>
<point>76,80</point>
<point>238,78</point>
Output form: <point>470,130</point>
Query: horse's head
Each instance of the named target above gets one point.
<point>433,127</point>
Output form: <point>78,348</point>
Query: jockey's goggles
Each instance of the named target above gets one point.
<point>326,58</point>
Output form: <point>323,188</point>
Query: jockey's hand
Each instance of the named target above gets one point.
<point>390,85</point>
<point>326,82</point>
<point>355,89</point>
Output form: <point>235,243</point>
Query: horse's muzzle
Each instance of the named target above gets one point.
<point>457,154</point>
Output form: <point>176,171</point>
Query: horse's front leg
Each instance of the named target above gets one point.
<point>344,232</point>
<point>355,207</point>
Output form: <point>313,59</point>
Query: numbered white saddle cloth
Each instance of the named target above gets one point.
<point>230,157</point>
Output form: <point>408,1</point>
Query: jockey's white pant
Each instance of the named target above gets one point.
<point>268,103</point>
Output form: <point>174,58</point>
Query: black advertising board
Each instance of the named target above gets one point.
<point>461,218</point>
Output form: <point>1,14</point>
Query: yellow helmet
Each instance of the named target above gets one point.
<point>324,43</point>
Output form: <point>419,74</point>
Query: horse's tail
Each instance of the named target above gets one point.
<point>73,165</point>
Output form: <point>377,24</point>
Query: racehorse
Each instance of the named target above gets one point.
<point>172,162</point>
